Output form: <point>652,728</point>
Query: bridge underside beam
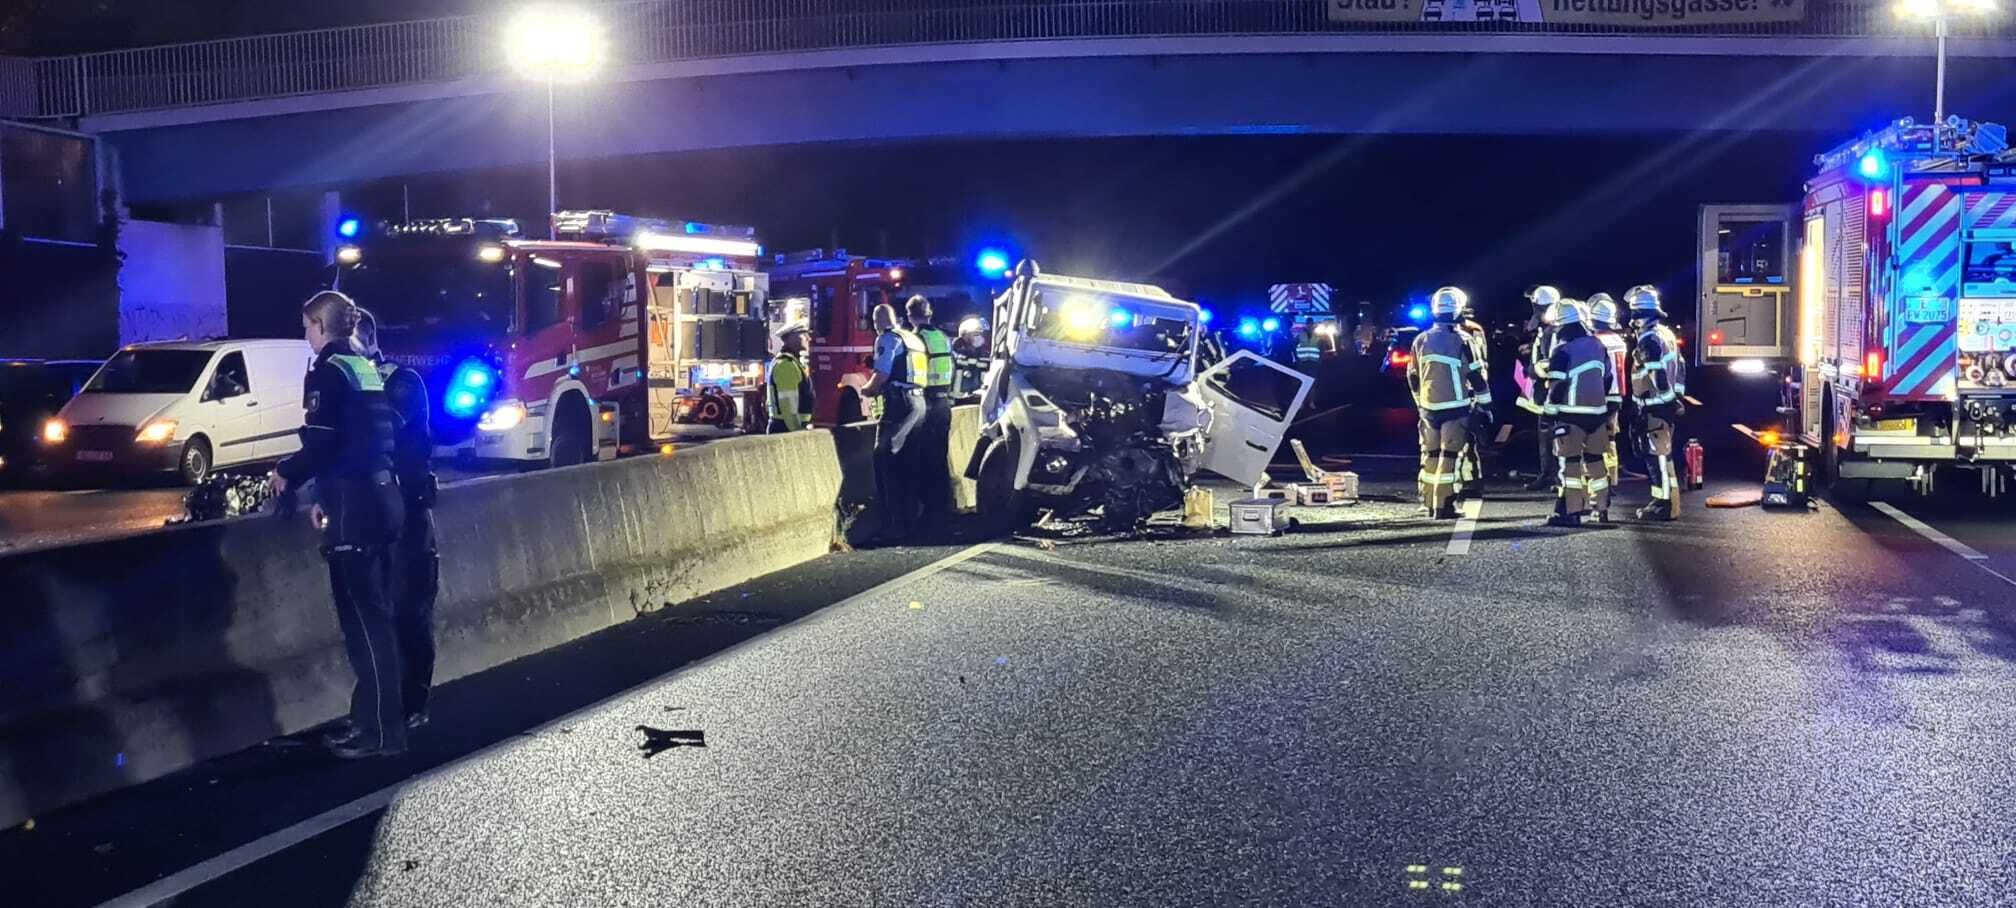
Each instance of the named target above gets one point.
<point>1336,93</point>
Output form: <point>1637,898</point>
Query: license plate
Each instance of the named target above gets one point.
<point>95,456</point>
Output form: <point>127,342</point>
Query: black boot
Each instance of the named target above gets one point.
<point>1657,510</point>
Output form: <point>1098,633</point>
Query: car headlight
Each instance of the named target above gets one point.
<point>502,417</point>
<point>156,431</point>
<point>55,431</point>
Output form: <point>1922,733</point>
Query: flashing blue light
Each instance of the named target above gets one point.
<point>348,228</point>
<point>1204,316</point>
<point>1121,318</point>
<point>692,227</point>
<point>1873,165</point>
<point>463,404</point>
<point>1418,313</point>
<point>992,263</point>
<point>1249,327</point>
<point>471,387</point>
<point>1271,325</point>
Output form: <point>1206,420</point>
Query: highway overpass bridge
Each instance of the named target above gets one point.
<point>337,107</point>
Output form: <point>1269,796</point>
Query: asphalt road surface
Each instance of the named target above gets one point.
<point>1745,708</point>
<point>32,518</point>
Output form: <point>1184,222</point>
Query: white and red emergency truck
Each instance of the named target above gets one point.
<point>836,295</point>
<point>1898,325</point>
<point>621,334</point>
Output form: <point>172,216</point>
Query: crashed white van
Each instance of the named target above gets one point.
<point>1096,400</point>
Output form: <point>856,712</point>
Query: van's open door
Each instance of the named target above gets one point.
<point>1747,271</point>
<point>1253,401</point>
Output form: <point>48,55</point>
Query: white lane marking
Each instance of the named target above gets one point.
<point>1923,529</point>
<point>1459,539</point>
<point>238,858</point>
<point>1947,542</point>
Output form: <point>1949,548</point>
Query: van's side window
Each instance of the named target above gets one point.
<point>231,379</point>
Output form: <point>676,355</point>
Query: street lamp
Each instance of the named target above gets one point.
<point>1939,12</point>
<point>554,44</point>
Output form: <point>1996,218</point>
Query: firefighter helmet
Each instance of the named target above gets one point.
<point>1447,304</point>
<point>1603,309</point>
<point>1544,296</point>
<point>1644,301</point>
<point>1568,312</point>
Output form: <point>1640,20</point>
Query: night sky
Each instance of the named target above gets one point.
<point>1217,218</point>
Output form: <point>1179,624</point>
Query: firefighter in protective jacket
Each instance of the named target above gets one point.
<point>1533,357</point>
<point>1447,379</point>
<point>1603,310</point>
<point>1482,417</point>
<point>1658,384</point>
<point>1579,378</point>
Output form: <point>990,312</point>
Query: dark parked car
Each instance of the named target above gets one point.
<point>32,391</point>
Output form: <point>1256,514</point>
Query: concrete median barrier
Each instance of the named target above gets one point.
<point>127,659</point>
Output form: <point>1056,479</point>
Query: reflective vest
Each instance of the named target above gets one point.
<point>787,404</point>
<point>910,369</point>
<point>1657,375</point>
<point>1442,372</point>
<point>1578,378</point>
<point>1620,353</point>
<point>938,355</point>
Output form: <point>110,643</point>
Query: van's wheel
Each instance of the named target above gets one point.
<point>572,441</point>
<point>1003,510</point>
<point>194,467</point>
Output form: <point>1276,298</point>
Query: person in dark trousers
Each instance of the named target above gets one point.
<point>788,388</point>
<point>934,436</point>
<point>416,559</point>
<point>347,440</point>
<point>1535,355</point>
<point>900,367</point>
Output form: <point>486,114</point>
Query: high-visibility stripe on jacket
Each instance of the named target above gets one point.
<point>1443,376</point>
<point>1579,378</point>
<point>1657,374</point>
<point>790,392</point>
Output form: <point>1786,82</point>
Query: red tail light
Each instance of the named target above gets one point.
<point>1715,337</point>
<point>1399,358</point>
<point>1879,203</point>
<point>1872,365</point>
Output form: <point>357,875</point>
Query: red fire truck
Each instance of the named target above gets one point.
<point>621,334</point>
<point>836,295</point>
<point>1899,326</point>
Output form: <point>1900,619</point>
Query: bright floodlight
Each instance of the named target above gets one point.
<point>555,43</point>
<point>1930,10</point>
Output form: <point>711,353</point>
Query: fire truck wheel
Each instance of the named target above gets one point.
<point>194,466</point>
<point>571,436</point>
<point>1002,509</point>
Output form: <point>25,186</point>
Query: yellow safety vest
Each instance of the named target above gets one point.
<point>915,365</point>
<point>787,377</point>
<point>938,354</point>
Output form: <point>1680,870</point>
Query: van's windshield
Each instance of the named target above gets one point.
<point>150,372</point>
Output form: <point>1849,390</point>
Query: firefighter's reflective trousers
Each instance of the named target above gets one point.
<point>1443,435</point>
<point>1579,446</point>
<point>1657,444</point>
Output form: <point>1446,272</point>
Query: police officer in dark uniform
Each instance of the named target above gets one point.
<point>416,559</point>
<point>347,441</point>
<point>900,366</point>
<point>934,435</point>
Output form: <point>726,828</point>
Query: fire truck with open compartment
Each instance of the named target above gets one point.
<point>621,334</point>
<point>1897,327</point>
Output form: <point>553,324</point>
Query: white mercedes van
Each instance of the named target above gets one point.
<point>185,408</point>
